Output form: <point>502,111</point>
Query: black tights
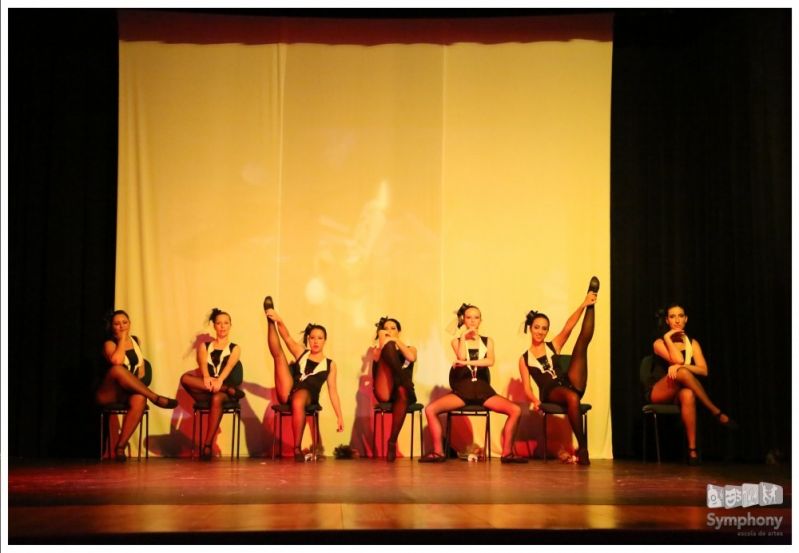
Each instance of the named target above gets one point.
<point>578,377</point>
<point>388,368</point>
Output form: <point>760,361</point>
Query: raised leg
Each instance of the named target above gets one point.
<point>283,380</point>
<point>578,366</point>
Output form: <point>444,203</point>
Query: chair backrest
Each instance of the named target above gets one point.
<point>561,362</point>
<point>236,376</point>
<point>645,370</point>
<point>148,373</point>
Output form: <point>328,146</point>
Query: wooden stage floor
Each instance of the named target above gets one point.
<point>370,501</point>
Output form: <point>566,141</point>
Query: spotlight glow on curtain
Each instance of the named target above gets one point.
<point>352,181</point>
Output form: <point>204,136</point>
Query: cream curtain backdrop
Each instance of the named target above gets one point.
<point>351,182</point>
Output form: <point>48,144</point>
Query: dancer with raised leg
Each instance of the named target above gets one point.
<point>392,373</point>
<point>678,363</point>
<point>125,381</point>
<point>470,383</point>
<point>299,384</point>
<point>217,377</point>
<point>536,362</point>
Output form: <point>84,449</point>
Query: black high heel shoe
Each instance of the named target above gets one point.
<point>165,402</point>
<point>694,460</point>
<point>593,286</point>
<point>730,424</point>
<point>391,451</point>
<point>119,453</point>
<point>207,453</point>
<point>268,303</point>
<point>299,456</point>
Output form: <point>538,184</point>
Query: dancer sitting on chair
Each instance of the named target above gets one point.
<point>123,381</point>
<point>469,379</point>
<point>392,373</point>
<point>678,362</point>
<point>300,383</point>
<point>217,377</point>
<point>537,362</point>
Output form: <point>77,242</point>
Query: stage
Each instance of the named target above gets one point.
<point>256,500</point>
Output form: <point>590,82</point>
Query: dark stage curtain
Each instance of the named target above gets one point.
<point>700,213</point>
<point>62,223</point>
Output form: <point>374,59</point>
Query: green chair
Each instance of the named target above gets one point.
<point>561,363</point>
<point>229,406</point>
<point>653,409</point>
<point>284,410</point>
<point>384,407</point>
<point>121,409</point>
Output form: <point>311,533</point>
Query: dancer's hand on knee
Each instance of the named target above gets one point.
<point>207,382</point>
<point>673,371</point>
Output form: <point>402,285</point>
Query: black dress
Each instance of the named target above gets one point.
<point>309,375</point>
<point>472,392</point>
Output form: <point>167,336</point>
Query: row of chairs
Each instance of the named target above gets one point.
<point>201,410</point>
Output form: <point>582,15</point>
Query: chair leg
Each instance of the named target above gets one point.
<point>238,434</point>
<point>643,416</point>
<point>446,435</point>
<point>141,431</point>
<point>374,433</point>
<point>193,432</point>
<point>546,457</point>
<point>421,435</point>
<point>488,434</point>
<point>280,435</point>
<point>657,436</point>
<point>315,433</point>
<point>102,435</point>
<point>585,428</point>
<point>413,420</point>
<point>147,435</point>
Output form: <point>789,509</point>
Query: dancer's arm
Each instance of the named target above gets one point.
<point>140,371</point>
<point>462,351</point>
<point>229,364</point>
<point>559,340</point>
<point>667,349</point>
<point>528,389</point>
<point>294,346</point>
<point>408,352</point>
<point>114,352</point>
<point>202,362</point>
<point>332,390</point>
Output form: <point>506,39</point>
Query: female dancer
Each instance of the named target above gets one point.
<point>537,363</point>
<point>301,383</point>
<point>217,376</point>
<point>469,380</point>
<point>122,382</point>
<point>392,372</point>
<point>674,379</point>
